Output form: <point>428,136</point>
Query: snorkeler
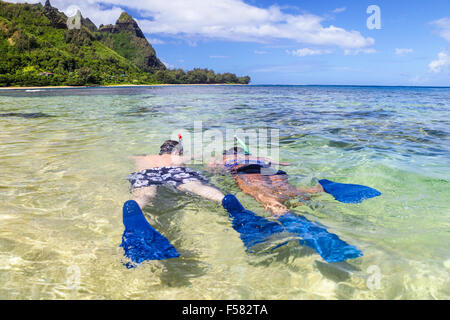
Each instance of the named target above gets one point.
<point>255,176</point>
<point>167,168</point>
<point>140,240</point>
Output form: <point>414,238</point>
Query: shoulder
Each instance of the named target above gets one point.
<point>144,157</point>
<point>177,160</point>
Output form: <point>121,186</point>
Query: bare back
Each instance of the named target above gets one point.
<point>156,161</point>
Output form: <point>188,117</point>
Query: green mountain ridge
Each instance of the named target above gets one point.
<point>127,39</point>
<point>39,49</point>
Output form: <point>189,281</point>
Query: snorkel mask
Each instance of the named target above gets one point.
<point>170,145</point>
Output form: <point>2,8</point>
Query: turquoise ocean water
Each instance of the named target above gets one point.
<point>63,163</point>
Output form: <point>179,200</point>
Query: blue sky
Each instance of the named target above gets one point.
<point>294,42</point>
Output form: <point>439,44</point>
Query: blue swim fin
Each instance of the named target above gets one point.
<point>327,245</point>
<point>140,240</point>
<point>253,229</point>
<point>348,193</point>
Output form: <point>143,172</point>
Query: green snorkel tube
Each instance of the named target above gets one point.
<point>243,145</point>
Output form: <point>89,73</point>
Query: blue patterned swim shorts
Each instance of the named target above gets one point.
<point>164,175</point>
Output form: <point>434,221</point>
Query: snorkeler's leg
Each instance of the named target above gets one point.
<point>143,196</point>
<point>257,190</point>
<point>271,204</point>
<point>202,190</point>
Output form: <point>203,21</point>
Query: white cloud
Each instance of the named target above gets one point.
<point>402,51</point>
<point>353,52</point>
<point>95,10</point>
<point>339,10</point>
<point>25,1</point>
<point>442,62</point>
<point>72,10</point>
<point>232,20</point>
<point>307,52</point>
<point>191,43</point>
<point>168,65</point>
<point>237,21</point>
<point>156,41</point>
<point>444,27</point>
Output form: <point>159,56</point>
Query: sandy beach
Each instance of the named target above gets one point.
<point>121,85</point>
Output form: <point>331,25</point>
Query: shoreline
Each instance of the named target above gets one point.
<point>123,85</point>
<point>211,84</point>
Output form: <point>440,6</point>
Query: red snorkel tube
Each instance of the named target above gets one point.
<point>180,143</point>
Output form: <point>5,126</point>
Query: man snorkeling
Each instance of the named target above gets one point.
<point>270,187</point>
<point>255,176</point>
<point>140,240</point>
<point>167,168</point>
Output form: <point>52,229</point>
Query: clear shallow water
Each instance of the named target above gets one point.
<point>62,185</point>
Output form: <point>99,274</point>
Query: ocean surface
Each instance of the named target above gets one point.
<point>63,167</point>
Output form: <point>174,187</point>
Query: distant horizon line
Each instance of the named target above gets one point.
<point>351,85</point>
